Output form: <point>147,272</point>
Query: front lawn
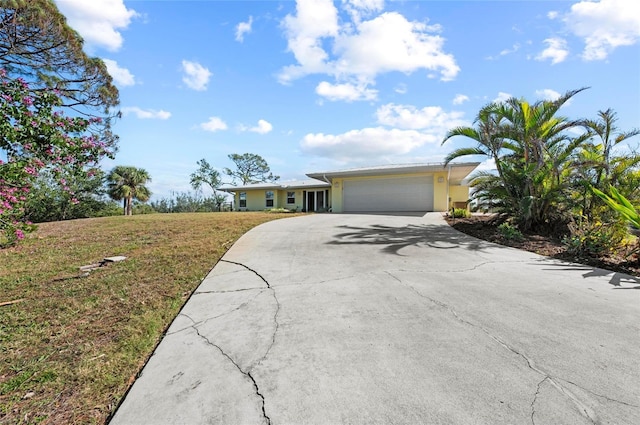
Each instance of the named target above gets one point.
<point>71,343</point>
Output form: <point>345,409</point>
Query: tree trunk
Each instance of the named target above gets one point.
<point>129,206</point>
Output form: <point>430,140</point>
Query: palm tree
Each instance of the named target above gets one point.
<point>532,151</point>
<point>605,127</point>
<point>491,145</point>
<point>128,183</point>
<point>597,165</point>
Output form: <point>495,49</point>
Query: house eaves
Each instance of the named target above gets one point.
<point>457,171</point>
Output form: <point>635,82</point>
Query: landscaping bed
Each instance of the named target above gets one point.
<point>484,227</point>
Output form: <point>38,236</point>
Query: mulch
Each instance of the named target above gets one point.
<point>482,227</point>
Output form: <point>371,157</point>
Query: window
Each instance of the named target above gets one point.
<point>243,199</point>
<point>269,197</point>
<point>291,197</point>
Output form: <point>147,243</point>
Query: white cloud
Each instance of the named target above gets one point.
<point>604,25</point>
<point>513,49</point>
<point>146,113</point>
<point>432,119</point>
<point>121,76</point>
<point>548,94</point>
<point>506,52</point>
<point>263,127</point>
<point>314,20</point>
<point>195,76</point>
<point>401,88</point>
<point>551,95</point>
<point>360,8</point>
<point>502,97</point>
<point>552,14</point>
<point>356,51</point>
<point>390,42</point>
<point>556,50</point>
<point>460,99</point>
<point>243,28</point>
<point>346,92</point>
<point>413,128</point>
<point>367,143</point>
<point>214,124</point>
<point>98,21</point>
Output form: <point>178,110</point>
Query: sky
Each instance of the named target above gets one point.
<point>318,85</point>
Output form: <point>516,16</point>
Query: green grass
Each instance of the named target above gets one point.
<point>74,344</point>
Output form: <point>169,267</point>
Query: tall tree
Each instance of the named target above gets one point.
<point>55,106</point>
<point>250,168</point>
<point>128,183</point>
<point>37,44</point>
<point>206,174</point>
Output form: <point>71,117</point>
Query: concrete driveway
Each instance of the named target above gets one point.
<point>380,319</point>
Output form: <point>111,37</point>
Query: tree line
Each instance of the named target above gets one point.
<point>97,193</point>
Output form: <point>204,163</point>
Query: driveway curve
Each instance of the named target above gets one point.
<point>384,319</point>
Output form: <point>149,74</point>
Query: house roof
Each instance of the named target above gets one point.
<point>457,171</point>
<point>292,184</point>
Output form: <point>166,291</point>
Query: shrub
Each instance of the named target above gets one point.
<point>460,213</point>
<point>278,210</point>
<point>509,232</point>
<point>594,238</point>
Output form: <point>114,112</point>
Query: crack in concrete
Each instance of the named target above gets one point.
<point>583,408</point>
<point>245,303</point>
<point>250,269</point>
<point>460,270</point>
<point>273,337</point>
<point>535,398</point>
<point>246,374</point>
<point>613,400</point>
<point>275,315</point>
<point>227,291</point>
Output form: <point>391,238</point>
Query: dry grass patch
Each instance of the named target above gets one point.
<point>74,344</point>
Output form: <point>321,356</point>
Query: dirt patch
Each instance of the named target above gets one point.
<point>483,227</point>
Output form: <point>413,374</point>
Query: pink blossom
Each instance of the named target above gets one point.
<point>19,234</point>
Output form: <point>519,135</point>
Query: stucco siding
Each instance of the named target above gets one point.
<point>440,196</point>
<point>256,199</point>
<point>336,195</point>
<point>458,193</point>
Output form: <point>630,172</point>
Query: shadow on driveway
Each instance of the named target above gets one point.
<point>616,280</point>
<point>393,239</point>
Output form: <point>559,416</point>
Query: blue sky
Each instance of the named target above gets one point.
<point>321,85</point>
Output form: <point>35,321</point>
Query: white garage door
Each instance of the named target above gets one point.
<point>389,194</point>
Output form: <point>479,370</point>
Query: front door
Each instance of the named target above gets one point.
<point>320,200</point>
<point>311,205</point>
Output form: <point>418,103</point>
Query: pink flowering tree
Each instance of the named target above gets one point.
<point>36,135</point>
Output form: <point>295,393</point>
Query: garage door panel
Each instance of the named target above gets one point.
<point>390,194</point>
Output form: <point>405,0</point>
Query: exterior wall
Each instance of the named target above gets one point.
<point>256,199</point>
<point>282,197</point>
<point>440,195</point>
<point>458,194</point>
<point>336,195</point>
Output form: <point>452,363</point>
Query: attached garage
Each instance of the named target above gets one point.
<point>388,194</point>
<point>398,188</point>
